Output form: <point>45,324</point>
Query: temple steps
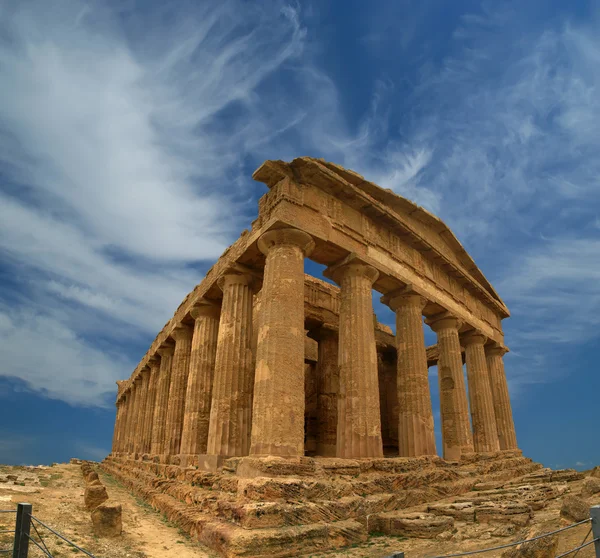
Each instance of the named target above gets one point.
<point>314,505</point>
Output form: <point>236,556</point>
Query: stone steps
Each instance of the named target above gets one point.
<point>286,515</point>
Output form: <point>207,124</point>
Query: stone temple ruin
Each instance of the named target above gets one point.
<point>273,415</point>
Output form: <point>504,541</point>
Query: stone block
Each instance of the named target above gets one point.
<point>94,495</point>
<point>414,524</point>
<point>106,519</point>
<point>210,463</point>
<point>590,487</point>
<point>91,476</point>
<point>575,509</point>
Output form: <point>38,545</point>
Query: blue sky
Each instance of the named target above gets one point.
<point>129,131</point>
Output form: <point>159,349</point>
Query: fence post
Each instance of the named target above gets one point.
<point>23,525</point>
<point>595,515</point>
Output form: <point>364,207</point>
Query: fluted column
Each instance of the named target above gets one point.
<point>415,416</point>
<point>278,411</point>
<point>162,399</point>
<point>126,421</point>
<point>140,426</point>
<point>231,406</point>
<point>359,419</point>
<point>131,418</point>
<point>502,408</point>
<point>485,433</point>
<point>179,374</point>
<point>118,415</point>
<point>328,386</point>
<point>454,409</point>
<point>122,424</point>
<point>199,389</point>
<point>154,365</point>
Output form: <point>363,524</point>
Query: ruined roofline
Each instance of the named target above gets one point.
<point>306,169</point>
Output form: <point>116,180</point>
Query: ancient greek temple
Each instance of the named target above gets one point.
<point>263,360</point>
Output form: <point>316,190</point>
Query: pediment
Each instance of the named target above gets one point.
<point>425,229</point>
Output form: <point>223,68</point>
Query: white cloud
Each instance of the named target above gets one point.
<point>120,170</point>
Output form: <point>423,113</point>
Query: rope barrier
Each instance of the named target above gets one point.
<point>7,531</point>
<point>61,537</point>
<point>8,511</point>
<point>471,552</point>
<point>578,548</point>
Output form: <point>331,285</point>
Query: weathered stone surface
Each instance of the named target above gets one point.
<point>595,472</point>
<point>279,399</point>
<point>454,410</point>
<point>106,519</point>
<point>91,476</point>
<point>247,395</point>
<point>415,415</point>
<point>415,524</point>
<point>94,495</point>
<point>575,508</point>
<point>590,487</point>
<point>359,419</point>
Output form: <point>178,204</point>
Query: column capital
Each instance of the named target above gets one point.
<point>153,360</point>
<point>166,350</point>
<point>287,236</point>
<point>181,331</point>
<point>205,308</point>
<point>353,266</point>
<point>445,320</point>
<point>473,337</point>
<point>495,349</point>
<point>405,296</point>
<point>238,274</point>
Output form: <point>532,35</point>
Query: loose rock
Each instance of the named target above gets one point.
<point>590,487</point>
<point>94,495</point>
<point>106,520</point>
<point>575,509</point>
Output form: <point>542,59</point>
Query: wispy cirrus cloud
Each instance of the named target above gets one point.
<point>122,138</point>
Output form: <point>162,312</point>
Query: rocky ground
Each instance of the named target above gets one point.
<point>481,519</point>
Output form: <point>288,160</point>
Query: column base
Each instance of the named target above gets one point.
<point>210,463</point>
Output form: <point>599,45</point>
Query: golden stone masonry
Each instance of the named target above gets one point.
<point>267,373</point>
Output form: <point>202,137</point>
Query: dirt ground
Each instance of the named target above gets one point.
<point>57,499</point>
<point>56,494</point>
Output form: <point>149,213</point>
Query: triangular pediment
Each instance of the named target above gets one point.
<point>424,227</point>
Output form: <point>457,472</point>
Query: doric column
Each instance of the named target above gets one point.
<point>162,399</point>
<point>231,407</point>
<point>454,409</point>
<point>504,419</point>
<point>415,417</point>
<point>199,389</point>
<point>144,377</point>
<point>485,433</point>
<point>278,410</point>
<point>131,418</point>
<point>154,364</point>
<point>359,420</point>
<point>122,424</point>
<point>118,415</point>
<point>126,421</point>
<point>328,386</point>
<point>179,374</point>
